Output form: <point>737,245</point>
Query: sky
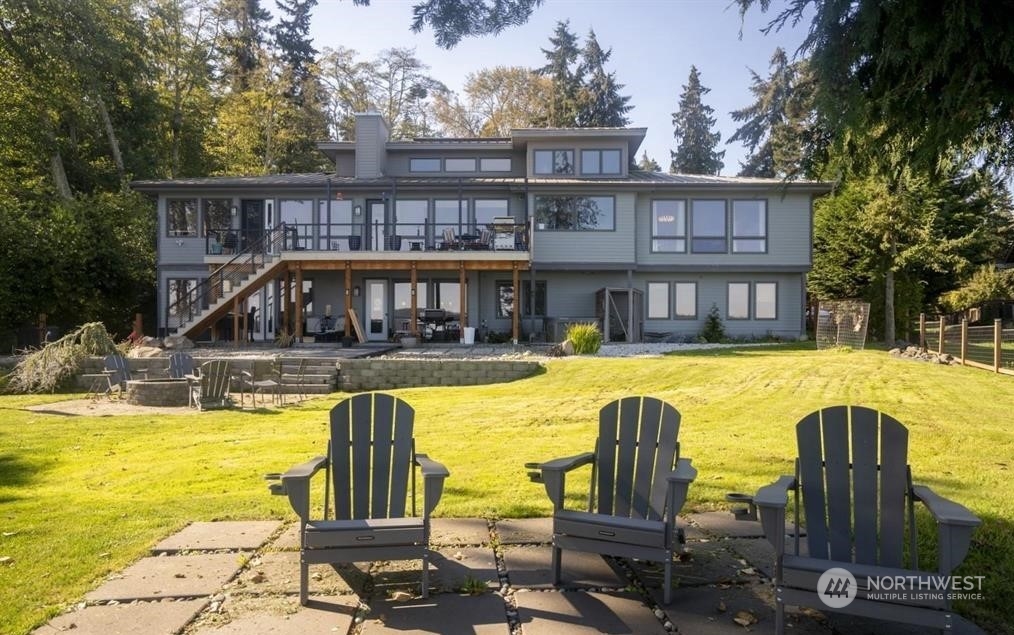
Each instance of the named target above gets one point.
<point>654,43</point>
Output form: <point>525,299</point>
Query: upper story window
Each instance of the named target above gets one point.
<point>459,165</point>
<point>486,209</point>
<point>598,162</point>
<point>181,217</point>
<point>749,227</point>
<point>217,215</point>
<point>575,212</point>
<point>554,161</point>
<point>669,226</point>
<point>494,165</point>
<point>708,227</point>
<point>424,165</point>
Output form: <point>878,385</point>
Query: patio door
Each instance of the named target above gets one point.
<point>251,223</point>
<point>376,223</point>
<point>376,310</point>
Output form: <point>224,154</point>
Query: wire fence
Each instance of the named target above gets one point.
<point>842,323</point>
<point>983,346</point>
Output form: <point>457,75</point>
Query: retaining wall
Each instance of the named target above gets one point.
<point>357,375</point>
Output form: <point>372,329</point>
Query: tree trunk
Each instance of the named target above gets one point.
<point>60,176</point>
<point>889,337</point>
<point>114,143</point>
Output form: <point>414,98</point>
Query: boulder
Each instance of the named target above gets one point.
<point>145,351</point>
<point>178,342</point>
<point>567,348</point>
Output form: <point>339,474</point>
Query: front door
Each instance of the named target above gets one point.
<point>376,309</point>
<point>376,223</point>
<point>251,224</point>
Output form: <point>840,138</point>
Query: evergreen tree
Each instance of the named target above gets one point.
<point>601,104</point>
<point>564,102</point>
<point>648,164</point>
<point>293,41</point>
<point>243,26</point>
<point>693,123</point>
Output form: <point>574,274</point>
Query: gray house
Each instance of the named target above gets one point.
<point>516,236</point>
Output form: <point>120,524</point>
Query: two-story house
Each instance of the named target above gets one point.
<point>517,236</point>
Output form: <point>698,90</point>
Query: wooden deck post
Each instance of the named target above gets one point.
<point>922,331</point>
<point>413,317</point>
<point>964,341</point>
<point>298,326</point>
<point>463,295</point>
<point>348,298</point>
<point>235,321</point>
<point>287,290</point>
<point>940,343</point>
<point>997,344</point>
<point>517,304</point>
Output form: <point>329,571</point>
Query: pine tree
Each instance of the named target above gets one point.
<point>293,41</point>
<point>648,164</point>
<point>243,27</point>
<point>601,104</point>
<point>564,101</point>
<point>693,124</point>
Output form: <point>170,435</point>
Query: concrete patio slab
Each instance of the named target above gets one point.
<point>280,615</point>
<point>236,535</point>
<point>529,567</point>
<point>519,531</point>
<point>141,618</point>
<point>445,613</point>
<point>563,613</point>
<point>457,567</point>
<point>712,610</point>
<point>288,540</point>
<point>459,531</point>
<point>723,523</point>
<point>703,563</point>
<point>277,573</point>
<point>170,576</point>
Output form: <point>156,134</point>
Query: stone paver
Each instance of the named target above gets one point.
<point>277,572</point>
<point>555,613</point>
<point>703,563</point>
<point>530,567</point>
<point>459,531</point>
<point>723,523</point>
<point>461,566</point>
<point>445,613</point>
<point>519,531</point>
<point>324,615</point>
<point>170,576</point>
<point>712,610</point>
<point>141,618</point>
<point>241,535</point>
<point>288,540</point>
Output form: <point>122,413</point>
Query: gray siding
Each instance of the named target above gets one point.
<point>345,165</point>
<point>616,246</point>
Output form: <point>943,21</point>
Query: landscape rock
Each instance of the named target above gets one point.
<point>144,351</point>
<point>567,347</point>
<point>178,342</point>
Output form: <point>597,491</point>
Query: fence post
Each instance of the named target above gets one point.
<point>943,327</point>
<point>922,331</point>
<point>964,340</point>
<point>997,343</point>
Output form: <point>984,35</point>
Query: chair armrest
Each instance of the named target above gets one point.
<point>955,524</point>
<point>434,474</point>
<point>568,463</point>
<point>771,501</point>
<point>678,487</point>
<point>296,485</point>
<point>554,474</point>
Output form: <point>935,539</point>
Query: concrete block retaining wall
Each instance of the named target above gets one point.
<point>357,375</point>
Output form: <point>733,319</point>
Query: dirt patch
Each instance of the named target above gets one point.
<point>105,408</point>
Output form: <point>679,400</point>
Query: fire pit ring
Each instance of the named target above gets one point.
<point>158,392</point>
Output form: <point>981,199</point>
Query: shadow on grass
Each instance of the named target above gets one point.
<point>16,472</point>
<point>751,350</point>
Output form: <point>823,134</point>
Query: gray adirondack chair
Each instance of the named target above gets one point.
<point>180,365</point>
<point>639,484</point>
<point>370,462</point>
<point>856,485</point>
<point>210,389</point>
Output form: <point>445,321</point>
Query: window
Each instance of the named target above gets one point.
<point>410,220</point>
<point>449,297</point>
<point>459,165</point>
<point>182,217</point>
<point>424,165</point>
<point>669,226</point>
<point>708,227</point>
<point>217,215</point>
<point>298,218</point>
<point>765,301</point>
<point>554,161</point>
<point>334,235</point>
<point>574,212</point>
<point>686,300</point>
<point>494,165</point>
<point>658,300</point>
<point>749,227</point>
<point>505,299</point>
<point>307,298</point>
<point>600,162</point>
<point>488,209</point>
<point>739,301</point>
<point>403,304</point>
<point>448,213</point>
<point>180,296</point>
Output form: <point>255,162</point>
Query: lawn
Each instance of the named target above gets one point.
<point>81,497</point>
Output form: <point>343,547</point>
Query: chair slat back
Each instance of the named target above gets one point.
<point>214,380</point>
<point>120,367</point>
<point>180,365</point>
<point>853,473</point>
<point>371,456</point>
<point>637,447</point>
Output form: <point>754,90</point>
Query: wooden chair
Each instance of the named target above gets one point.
<point>639,484</point>
<point>180,365</point>
<point>370,462</point>
<point>210,389</point>
<point>856,487</point>
<point>264,376</point>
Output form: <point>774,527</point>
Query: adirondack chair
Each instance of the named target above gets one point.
<point>639,484</point>
<point>371,463</point>
<point>180,365</point>
<point>854,504</point>
<point>117,374</point>
<point>210,389</point>
<point>264,376</point>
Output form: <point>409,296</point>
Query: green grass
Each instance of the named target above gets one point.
<point>86,496</point>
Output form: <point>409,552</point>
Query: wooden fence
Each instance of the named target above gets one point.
<point>987,347</point>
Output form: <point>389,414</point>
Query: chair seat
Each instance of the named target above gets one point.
<point>371,532</point>
<point>603,527</point>
<point>801,572</point>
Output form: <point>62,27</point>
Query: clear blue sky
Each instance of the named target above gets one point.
<point>654,43</point>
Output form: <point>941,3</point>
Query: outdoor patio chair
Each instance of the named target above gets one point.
<point>638,485</point>
<point>115,376</point>
<point>210,389</point>
<point>856,487</point>
<point>264,376</point>
<point>450,239</point>
<point>370,462</point>
<point>180,365</point>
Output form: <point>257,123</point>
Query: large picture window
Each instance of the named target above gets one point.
<point>765,301</point>
<point>749,227</point>
<point>554,161</point>
<point>448,213</point>
<point>217,216</point>
<point>575,212</point>
<point>505,299</point>
<point>708,227</point>
<point>658,300</point>
<point>180,297</point>
<point>686,300</point>
<point>334,235</point>
<point>410,221</point>
<point>739,301</point>
<point>298,218</point>
<point>669,226</point>
<point>487,209</point>
<point>598,162</point>
<point>181,217</point>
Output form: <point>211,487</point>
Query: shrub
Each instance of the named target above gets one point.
<point>586,338</point>
<point>714,330</point>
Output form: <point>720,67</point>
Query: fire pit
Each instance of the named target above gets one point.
<point>158,392</point>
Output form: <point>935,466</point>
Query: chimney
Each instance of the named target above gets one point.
<point>371,145</point>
